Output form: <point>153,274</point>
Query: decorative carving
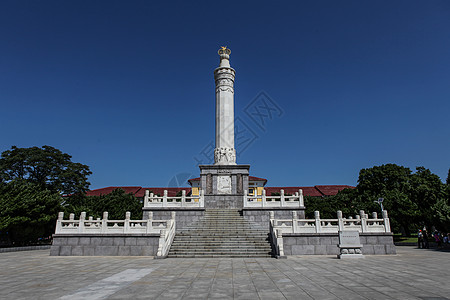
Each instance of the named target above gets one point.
<point>224,89</point>
<point>225,156</point>
<point>224,184</point>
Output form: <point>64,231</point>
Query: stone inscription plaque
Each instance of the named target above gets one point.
<point>224,184</point>
<point>349,238</point>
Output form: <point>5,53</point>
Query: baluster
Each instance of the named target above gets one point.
<point>317,222</point>
<point>387,225</point>
<point>146,198</point>
<point>340,221</point>
<point>294,222</point>
<point>105,222</point>
<point>126,224</point>
<point>165,198</point>
<point>81,224</point>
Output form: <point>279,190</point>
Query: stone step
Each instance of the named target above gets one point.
<point>221,233</point>
<point>220,254</point>
<point>222,248</point>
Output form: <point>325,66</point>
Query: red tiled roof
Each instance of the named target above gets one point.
<point>316,191</point>
<point>307,190</point>
<point>330,190</point>
<point>171,191</point>
<point>105,191</point>
<point>138,191</point>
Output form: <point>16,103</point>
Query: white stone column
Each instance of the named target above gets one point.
<point>224,153</point>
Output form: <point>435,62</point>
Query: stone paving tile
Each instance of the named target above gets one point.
<point>411,274</point>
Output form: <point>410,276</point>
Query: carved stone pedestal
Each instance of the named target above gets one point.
<point>224,185</point>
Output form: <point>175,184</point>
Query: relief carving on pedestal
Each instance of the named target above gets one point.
<point>225,156</point>
<point>224,184</point>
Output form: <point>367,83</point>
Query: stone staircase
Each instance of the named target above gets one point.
<point>221,233</point>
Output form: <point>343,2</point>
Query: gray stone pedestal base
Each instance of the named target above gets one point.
<point>224,185</point>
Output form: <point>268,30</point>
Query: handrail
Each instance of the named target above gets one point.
<point>361,223</point>
<point>106,226</point>
<point>151,200</point>
<point>276,238</point>
<point>166,238</point>
<point>262,201</point>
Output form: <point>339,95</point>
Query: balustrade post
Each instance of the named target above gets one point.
<point>146,198</point>
<point>245,198</point>
<point>363,221</point>
<point>161,242</point>
<point>152,197</point>
<point>301,200</point>
<point>202,198</point>
<point>72,217</point>
<point>280,242</point>
<point>81,224</point>
<point>340,221</point>
<point>387,225</point>
<point>149,221</point>
<point>104,222</point>
<point>317,222</point>
<point>58,222</point>
<point>263,199</point>
<point>165,198</point>
<point>183,198</point>
<point>272,218</point>
<point>294,222</point>
<point>282,204</point>
<point>126,223</point>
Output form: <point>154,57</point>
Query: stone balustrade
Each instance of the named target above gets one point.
<point>105,226</point>
<point>152,201</point>
<point>166,238</point>
<point>276,238</point>
<point>360,223</point>
<point>264,201</point>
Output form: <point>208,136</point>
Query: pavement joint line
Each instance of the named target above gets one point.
<point>109,285</point>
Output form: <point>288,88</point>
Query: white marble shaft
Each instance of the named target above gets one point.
<point>224,153</point>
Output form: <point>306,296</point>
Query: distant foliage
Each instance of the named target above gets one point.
<point>27,212</point>
<point>115,203</point>
<point>47,167</point>
<point>413,200</point>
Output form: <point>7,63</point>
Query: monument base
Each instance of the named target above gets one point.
<point>224,185</point>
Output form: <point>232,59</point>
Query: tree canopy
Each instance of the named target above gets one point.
<point>27,212</point>
<point>413,199</point>
<point>115,203</point>
<point>47,167</point>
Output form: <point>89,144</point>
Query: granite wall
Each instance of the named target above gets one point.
<point>261,216</point>
<point>105,245</point>
<point>183,217</point>
<point>327,244</point>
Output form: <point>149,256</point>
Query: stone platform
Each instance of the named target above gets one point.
<point>36,275</point>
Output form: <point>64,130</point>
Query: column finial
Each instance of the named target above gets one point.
<point>224,54</point>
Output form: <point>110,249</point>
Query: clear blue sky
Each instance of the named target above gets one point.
<point>127,87</point>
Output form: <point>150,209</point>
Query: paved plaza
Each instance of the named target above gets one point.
<point>411,274</point>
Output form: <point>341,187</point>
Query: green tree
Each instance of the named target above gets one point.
<point>27,212</point>
<point>391,182</point>
<point>426,191</point>
<point>115,203</point>
<point>47,167</point>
